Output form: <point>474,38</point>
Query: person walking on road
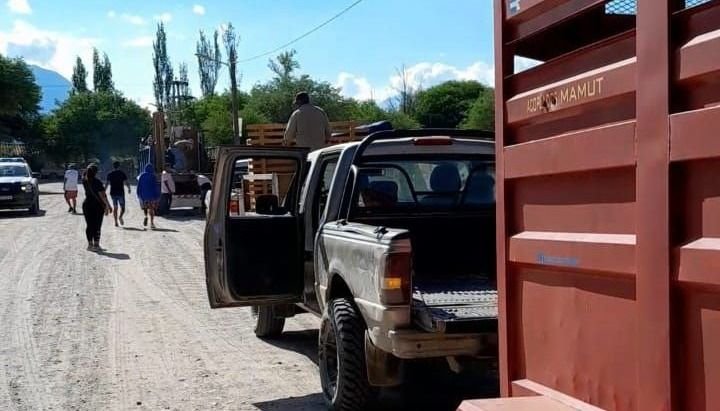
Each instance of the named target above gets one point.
<point>148,194</point>
<point>167,189</point>
<point>116,179</point>
<point>70,186</point>
<point>95,207</point>
<point>205,186</point>
<point>308,126</point>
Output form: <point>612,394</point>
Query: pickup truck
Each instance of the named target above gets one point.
<point>391,241</point>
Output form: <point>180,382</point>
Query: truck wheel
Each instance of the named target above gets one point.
<point>343,373</point>
<point>267,325</point>
<point>35,208</point>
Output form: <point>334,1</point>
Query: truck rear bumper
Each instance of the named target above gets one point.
<point>410,344</point>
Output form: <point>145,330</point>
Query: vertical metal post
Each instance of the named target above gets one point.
<point>503,65</point>
<point>233,91</point>
<point>653,237</point>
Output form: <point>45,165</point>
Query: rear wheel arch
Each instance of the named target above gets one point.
<point>338,288</point>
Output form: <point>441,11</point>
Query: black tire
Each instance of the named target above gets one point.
<point>343,372</point>
<point>35,208</point>
<point>267,325</point>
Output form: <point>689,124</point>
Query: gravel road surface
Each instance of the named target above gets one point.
<point>130,328</point>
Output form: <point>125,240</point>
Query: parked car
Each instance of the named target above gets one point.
<point>373,237</point>
<point>19,187</point>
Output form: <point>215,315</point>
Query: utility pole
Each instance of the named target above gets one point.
<point>233,93</point>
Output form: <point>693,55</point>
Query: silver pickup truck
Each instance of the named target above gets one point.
<point>391,241</point>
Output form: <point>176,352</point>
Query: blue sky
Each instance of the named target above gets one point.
<point>436,40</point>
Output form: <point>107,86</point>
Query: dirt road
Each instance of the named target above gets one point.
<point>131,328</point>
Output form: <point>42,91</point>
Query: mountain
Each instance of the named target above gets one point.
<point>53,85</point>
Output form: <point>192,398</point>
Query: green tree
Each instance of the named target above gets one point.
<point>19,99</point>
<point>95,125</point>
<point>107,81</point>
<point>482,112</point>
<point>212,116</point>
<point>367,112</point>
<point>79,77</point>
<point>447,104</point>
<point>209,57</point>
<point>400,120</point>
<point>102,73</point>
<point>274,99</point>
<point>162,84</point>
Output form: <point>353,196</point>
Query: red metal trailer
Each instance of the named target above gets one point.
<point>608,168</point>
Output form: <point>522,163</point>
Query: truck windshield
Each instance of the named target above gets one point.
<point>13,170</point>
<point>424,184</point>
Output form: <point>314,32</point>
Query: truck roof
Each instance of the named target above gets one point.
<point>410,146</point>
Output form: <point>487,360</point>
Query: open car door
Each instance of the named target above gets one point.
<point>253,242</point>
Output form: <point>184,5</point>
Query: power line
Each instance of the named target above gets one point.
<point>291,42</point>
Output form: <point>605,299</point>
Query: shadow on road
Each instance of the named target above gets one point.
<point>183,216</point>
<point>303,342</point>
<point>20,214</point>
<point>116,256</point>
<point>307,402</point>
<point>164,230</point>
<point>133,229</point>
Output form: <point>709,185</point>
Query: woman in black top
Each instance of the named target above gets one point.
<point>95,206</point>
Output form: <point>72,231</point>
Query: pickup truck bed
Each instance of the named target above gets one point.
<point>457,305</point>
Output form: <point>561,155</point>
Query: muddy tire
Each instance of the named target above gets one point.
<point>343,372</point>
<point>267,325</point>
<point>35,208</point>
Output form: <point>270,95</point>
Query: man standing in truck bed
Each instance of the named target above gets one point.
<point>308,125</point>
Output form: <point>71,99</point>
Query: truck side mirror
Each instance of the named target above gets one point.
<point>36,175</point>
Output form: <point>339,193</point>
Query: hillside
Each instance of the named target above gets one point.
<point>54,87</point>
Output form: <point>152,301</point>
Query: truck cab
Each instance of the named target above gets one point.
<point>389,240</point>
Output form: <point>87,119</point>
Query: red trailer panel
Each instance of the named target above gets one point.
<point>608,205</point>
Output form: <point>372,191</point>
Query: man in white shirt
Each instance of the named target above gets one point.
<point>167,188</point>
<point>70,185</point>
<point>205,186</point>
<point>308,125</point>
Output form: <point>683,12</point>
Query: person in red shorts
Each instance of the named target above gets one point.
<point>70,185</point>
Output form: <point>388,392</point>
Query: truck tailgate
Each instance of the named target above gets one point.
<point>458,305</point>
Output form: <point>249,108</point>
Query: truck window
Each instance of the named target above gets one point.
<point>326,175</point>
<point>261,187</point>
<point>422,184</point>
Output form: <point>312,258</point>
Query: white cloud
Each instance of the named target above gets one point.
<point>355,86</point>
<point>421,75</point>
<point>19,6</point>
<point>164,17</point>
<point>111,14</point>
<point>147,102</point>
<point>524,63</point>
<point>133,19</point>
<point>53,50</point>
<point>142,41</point>
<point>198,9</point>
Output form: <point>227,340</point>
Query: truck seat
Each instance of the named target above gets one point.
<point>479,189</point>
<point>445,182</point>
